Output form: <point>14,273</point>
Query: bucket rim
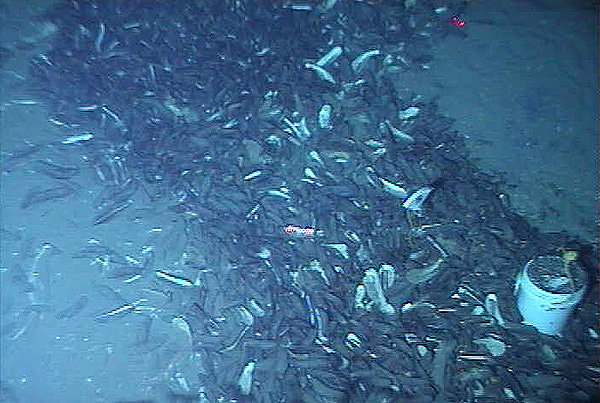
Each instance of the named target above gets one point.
<point>575,293</point>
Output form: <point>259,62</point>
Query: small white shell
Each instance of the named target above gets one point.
<point>493,309</point>
<point>330,57</point>
<point>353,236</point>
<point>477,310</point>
<point>393,189</point>
<point>409,113</point>
<point>321,72</point>
<point>509,393</point>
<point>399,134</point>
<point>182,325</point>
<point>407,307</point>
<point>359,63</point>
<point>353,341</point>
<point>252,175</point>
<point>387,308</point>
<point>325,117</point>
<point>273,140</point>
<point>379,152</point>
<point>374,143</point>
<point>375,291</point>
<point>359,296</point>
<point>309,173</point>
<point>341,248</point>
<point>494,346</point>
<point>303,129</point>
<point>246,317</point>
<point>255,308</point>
<point>316,157</point>
<point>264,253</point>
<point>283,194</point>
<point>245,379</point>
<point>415,201</point>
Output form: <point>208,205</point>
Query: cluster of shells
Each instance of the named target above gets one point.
<point>337,240</point>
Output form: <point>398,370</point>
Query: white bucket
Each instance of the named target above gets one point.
<point>544,310</point>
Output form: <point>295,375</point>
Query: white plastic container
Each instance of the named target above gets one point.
<point>546,311</point>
